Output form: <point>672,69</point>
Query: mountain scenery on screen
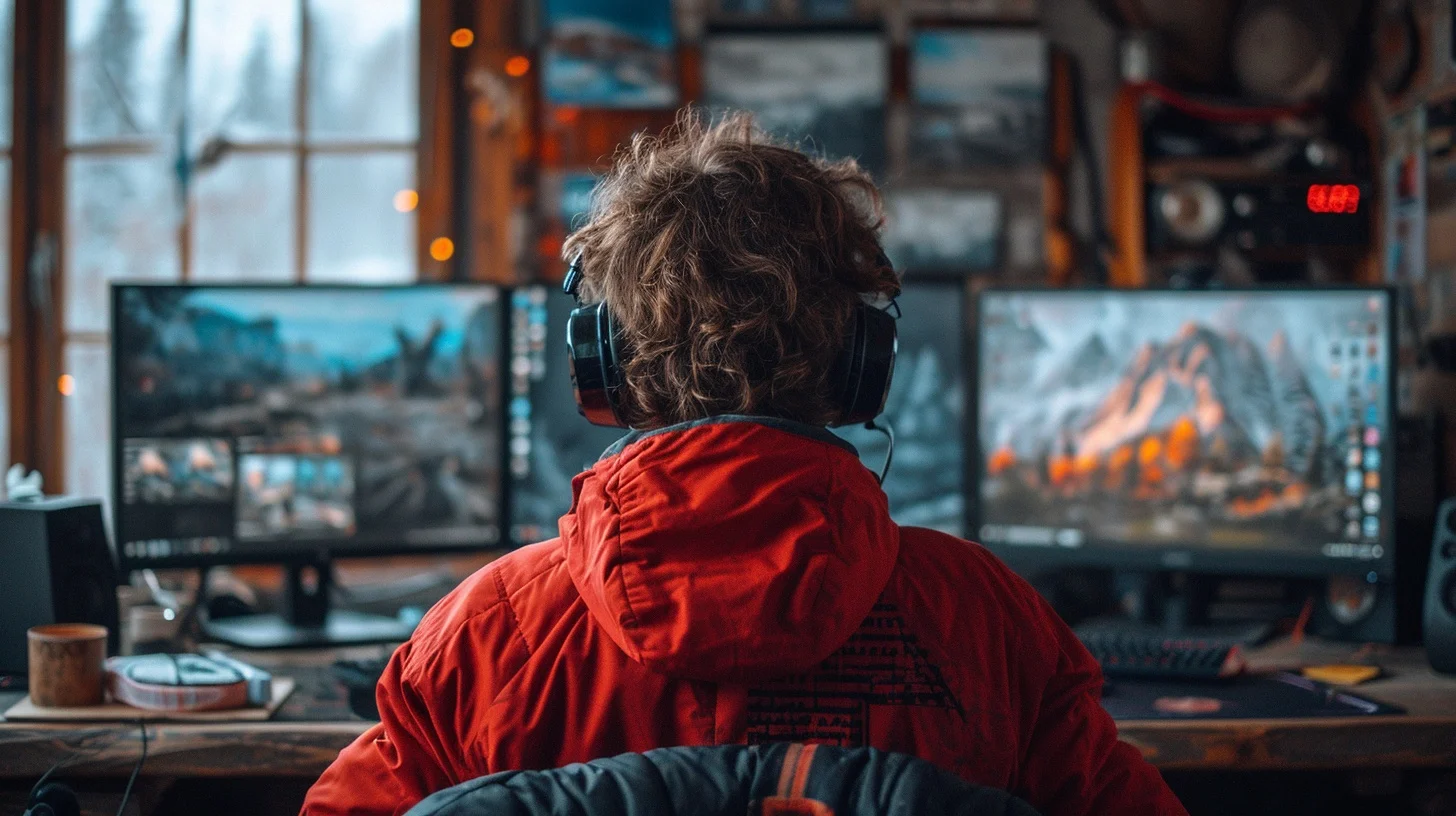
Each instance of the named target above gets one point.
<point>1206,426</point>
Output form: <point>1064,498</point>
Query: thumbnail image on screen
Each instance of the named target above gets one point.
<point>368,416</point>
<point>926,409</point>
<point>1250,424</point>
<point>550,442</point>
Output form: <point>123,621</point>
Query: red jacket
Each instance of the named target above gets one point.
<point>737,581</point>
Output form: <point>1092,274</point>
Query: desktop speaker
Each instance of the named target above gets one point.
<point>1441,593</point>
<point>55,567</point>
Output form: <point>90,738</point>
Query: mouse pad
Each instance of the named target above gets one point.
<point>1254,697</point>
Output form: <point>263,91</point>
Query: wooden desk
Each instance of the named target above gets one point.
<point>315,724</point>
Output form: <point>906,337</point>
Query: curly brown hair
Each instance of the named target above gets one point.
<point>732,264</point>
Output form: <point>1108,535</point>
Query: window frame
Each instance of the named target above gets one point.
<point>39,152</point>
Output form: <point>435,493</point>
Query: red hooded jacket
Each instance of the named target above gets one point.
<point>731,581</point>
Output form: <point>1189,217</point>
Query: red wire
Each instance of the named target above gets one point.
<point>1216,112</point>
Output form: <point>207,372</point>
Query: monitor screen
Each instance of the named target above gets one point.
<point>1212,430</point>
<point>926,409</point>
<point>550,442</point>
<point>267,422</point>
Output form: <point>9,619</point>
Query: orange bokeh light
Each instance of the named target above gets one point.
<point>442,248</point>
<point>517,66</point>
<point>462,38</point>
<point>66,385</point>
<point>406,201</point>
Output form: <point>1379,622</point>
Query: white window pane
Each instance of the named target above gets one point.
<point>88,421</point>
<point>121,224</point>
<point>242,219</point>
<point>355,234</point>
<point>7,55</point>
<point>363,69</point>
<point>243,69</point>
<point>122,68</point>
<point>4,245</point>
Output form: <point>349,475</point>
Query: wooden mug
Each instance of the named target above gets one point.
<point>67,664</point>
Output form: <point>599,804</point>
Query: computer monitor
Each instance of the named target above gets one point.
<point>926,409</point>
<point>550,442</point>
<point>291,424</point>
<point>1227,432</point>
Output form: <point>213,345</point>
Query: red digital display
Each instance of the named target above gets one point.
<point>1333,198</point>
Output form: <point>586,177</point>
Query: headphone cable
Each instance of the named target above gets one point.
<point>889,433</point>
<point>135,771</point>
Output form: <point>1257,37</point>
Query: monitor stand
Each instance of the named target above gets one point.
<point>1175,606</point>
<point>307,621</point>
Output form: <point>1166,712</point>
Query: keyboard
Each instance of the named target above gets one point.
<point>1163,657</point>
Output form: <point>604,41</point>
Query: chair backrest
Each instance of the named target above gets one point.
<point>784,779</point>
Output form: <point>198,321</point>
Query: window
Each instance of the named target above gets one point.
<point>7,40</point>
<point>217,140</point>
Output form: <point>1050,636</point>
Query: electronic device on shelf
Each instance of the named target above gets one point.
<point>292,425</point>
<point>1194,433</point>
<point>1159,656</point>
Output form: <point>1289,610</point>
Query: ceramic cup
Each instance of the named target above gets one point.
<point>67,664</point>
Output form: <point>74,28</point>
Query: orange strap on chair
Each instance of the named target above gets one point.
<point>793,779</point>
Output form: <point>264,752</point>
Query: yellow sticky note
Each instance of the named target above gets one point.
<point>1342,674</point>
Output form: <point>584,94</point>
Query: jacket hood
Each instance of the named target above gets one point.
<point>729,549</point>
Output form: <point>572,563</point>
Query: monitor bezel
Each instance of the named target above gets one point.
<point>302,550</point>
<point>1192,559</point>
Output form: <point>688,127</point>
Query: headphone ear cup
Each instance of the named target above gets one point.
<point>591,349</point>
<point>866,365</point>
<point>54,799</point>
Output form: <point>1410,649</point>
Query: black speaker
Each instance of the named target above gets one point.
<point>55,567</point>
<point>1440,625</point>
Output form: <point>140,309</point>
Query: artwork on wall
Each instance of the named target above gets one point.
<point>747,8</point>
<point>973,9</point>
<point>978,98</point>
<point>823,91</point>
<point>942,230</point>
<point>610,54</point>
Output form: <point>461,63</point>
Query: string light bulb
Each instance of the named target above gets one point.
<point>462,38</point>
<point>442,248</point>
<point>517,66</point>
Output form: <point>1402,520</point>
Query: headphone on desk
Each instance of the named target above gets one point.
<point>860,377</point>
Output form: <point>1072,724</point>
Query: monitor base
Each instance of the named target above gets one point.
<point>339,629</point>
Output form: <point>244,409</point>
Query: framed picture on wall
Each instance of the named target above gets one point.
<point>610,54</point>
<point>943,230</point>
<point>978,98</point>
<point>824,91</point>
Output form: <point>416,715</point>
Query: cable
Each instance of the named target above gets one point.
<point>135,771</point>
<point>889,451</point>
<point>1215,111</point>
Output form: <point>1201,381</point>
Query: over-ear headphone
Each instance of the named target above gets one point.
<point>52,799</point>
<point>860,377</point>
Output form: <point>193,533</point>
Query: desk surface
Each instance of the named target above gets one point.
<point>315,724</point>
